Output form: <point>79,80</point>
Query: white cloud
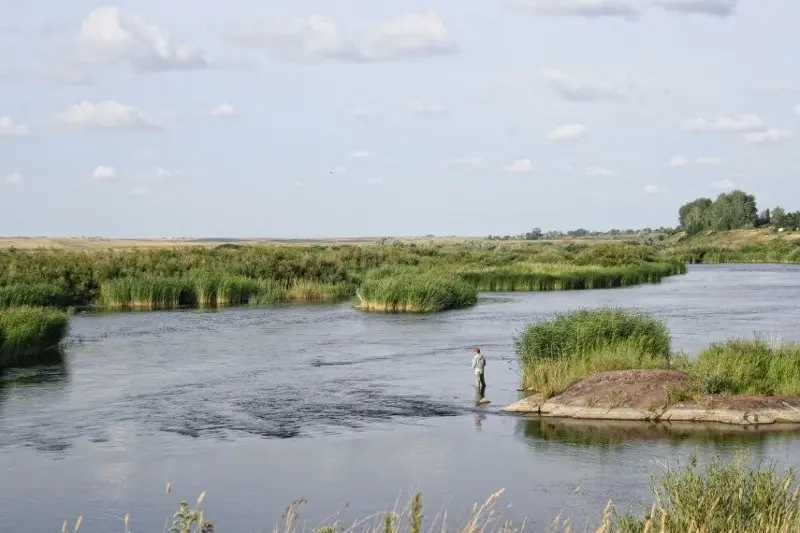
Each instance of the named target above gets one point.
<point>708,161</point>
<point>9,128</point>
<point>682,161</point>
<point>742,124</point>
<point>769,136</point>
<point>724,185</point>
<point>105,37</point>
<point>318,37</point>
<point>579,8</point>
<point>597,171</point>
<point>678,161</point>
<point>14,178</point>
<point>103,172</point>
<point>426,109</point>
<point>520,165</point>
<point>568,132</point>
<point>224,110</point>
<point>106,115</point>
<point>651,189</point>
<point>468,161</point>
<point>162,172</point>
<point>359,154</point>
<point>576,89</point>
<point>719,8</point>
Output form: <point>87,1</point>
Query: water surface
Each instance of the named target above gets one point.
<point>264,406</point>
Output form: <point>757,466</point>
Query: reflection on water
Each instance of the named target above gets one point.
<point>619,433</point>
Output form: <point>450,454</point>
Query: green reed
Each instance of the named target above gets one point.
<point>414,293</point>
<point>33,294</point>
<point>30,333</point>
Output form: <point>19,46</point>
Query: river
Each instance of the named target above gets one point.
<point>260,407</point>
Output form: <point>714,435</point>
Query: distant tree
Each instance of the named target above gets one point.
<point>534,235</point>
<point>778,217</point>
<point>693,216</point>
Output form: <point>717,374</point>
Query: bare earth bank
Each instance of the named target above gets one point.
<point>657,395</point>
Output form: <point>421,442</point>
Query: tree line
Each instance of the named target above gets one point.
<point>729,211</point>
<point>733,210</point>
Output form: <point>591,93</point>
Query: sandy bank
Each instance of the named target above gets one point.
<point>657,395</point>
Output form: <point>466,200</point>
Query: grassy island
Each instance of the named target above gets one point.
<point>616,364</point>
<point>28,334</point>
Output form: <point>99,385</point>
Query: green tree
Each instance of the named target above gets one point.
<point>778,217</point>
<point>693,216</point>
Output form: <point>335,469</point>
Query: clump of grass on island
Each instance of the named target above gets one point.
<point>557,353</point>
<point>414,293</point>
<point>28,334</point>
<point>554,277</point>
<point>723,497</point>
<point>33,294</point>
<point>748,367</point>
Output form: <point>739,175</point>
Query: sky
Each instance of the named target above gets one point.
<point>317,119</point>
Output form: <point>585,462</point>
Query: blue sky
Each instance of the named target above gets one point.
<point>322,119</point>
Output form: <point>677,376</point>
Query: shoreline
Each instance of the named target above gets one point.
<point>643,396</point>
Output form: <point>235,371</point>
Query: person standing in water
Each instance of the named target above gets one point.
<point>478,367</point>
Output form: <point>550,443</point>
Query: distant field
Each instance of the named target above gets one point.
<point>78,243</point>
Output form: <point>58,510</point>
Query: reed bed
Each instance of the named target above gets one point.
<point>555,353</point>
<point>554,277</point>
<point>28,334</point>
<point>34,294</point>
<point>212,291</point>
<point>81,275</point>
<point>721,497</point>
<point>749,367</point>
<point>410,293</point>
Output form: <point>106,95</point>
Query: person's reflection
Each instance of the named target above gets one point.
<point>478,420</point>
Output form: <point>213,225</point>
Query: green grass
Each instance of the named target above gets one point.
<point>749,367</point>
<point>209,290</point>
<point>557,276</point>
<point>414,293</point>
<point>225,275</point>
<point>28,333</point>
<point>557,352</point>
<point>33,294</point>
<point>722,497</point>
<point>554,354</point>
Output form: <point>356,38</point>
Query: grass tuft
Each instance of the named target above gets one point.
<point>414,293</point>
<point>555,353</point>
<point>28,333</point>
<point>33,294</point>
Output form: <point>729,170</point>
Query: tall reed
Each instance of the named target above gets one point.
<point>29,333</point>
<point>412,293</point>
<point>555,353</point>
